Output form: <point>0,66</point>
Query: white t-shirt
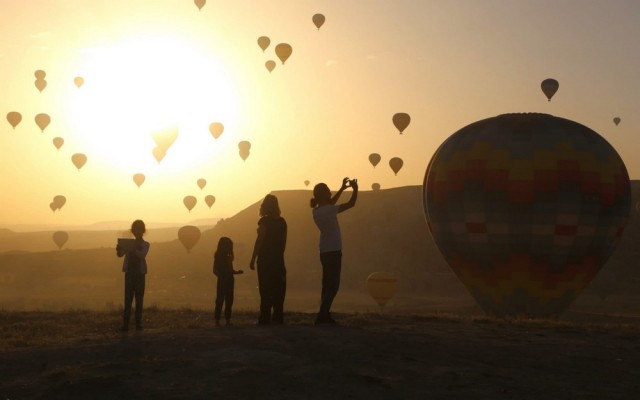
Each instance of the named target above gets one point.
<point>326,218</point>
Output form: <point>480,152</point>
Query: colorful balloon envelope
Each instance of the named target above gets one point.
<point>526,209</point>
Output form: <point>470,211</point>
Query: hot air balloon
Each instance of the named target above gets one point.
<point>14,118</point>
<point>60,238</point>
<point>40,82</point>
<point>78,81</point>
<point>382,287</point>
<point>189,202</point>
<point>549,87</point>
<point>263,42</point>
<point>401,121</point>
<point>52,206</point>
<point>138,179</point>
<point>526,209</point>
<point>158,153</point>
<point>318,20</point>
<point>79,160</point>
<point>202,183</point>
<point>216,129</point>
<point>270,65</point>
<point>42,120</point>
<point>616,120</point>
<point>374,159</point>
<point>306,183</point>
<point>283,51</point>
<point>164,138</point>
<point>210,200</point>
<point>245,148</point>
<point>58,202</point>
<point>58,142</point>
<point>189,236</point>
<point>40,74</point>
<point>375,186</point>
<point>396,164</point>
<point>200,3</point>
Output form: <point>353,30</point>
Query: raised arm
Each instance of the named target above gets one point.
<point>354,196</point>
<point>345,184</point>
<point>262,230</point>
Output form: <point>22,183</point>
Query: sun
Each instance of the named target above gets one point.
<point>138,88</point>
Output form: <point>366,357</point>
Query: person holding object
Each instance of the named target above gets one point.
<point>269,252</point>
<point>135,270</point>
<point>325,216</point>
<point>223,270</point>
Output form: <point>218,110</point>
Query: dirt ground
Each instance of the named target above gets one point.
<point>182,355</point>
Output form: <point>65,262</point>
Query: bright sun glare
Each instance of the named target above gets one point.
<point>145,84</point>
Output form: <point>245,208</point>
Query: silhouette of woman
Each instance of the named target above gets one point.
<point>325,214</point>
<point>223,269</point>
<point>135,269</point>
<point>269,251</point>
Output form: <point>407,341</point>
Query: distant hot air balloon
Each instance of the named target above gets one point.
<point>40,74</point>
<point>283,51</point>
<point>616,120</point>
<point>306,183</point>
<point>40,82</point>
<point>200,3</point>
<point>245,148</point>
<point>78,81</point>
<point>382,287</point>
<point>202,183</point>
<point>318,20</point>
<point>58,202</point>
<point>138,179</point>
<point>79,160</point>
<point>58,142</point>
<point>189,202</point>
<point>43,120</point>
<point>401,121</point>
<point>396,164</point>
<point>14,118</point>
<point>549,87</point>
<point>375,186</point>
<point>60,238</point>
<point>52,206</point>
<point>374,159</point>
<point>158,153</point>
<point>516,205</point>
<point>216,129</point>
<point>189,236</point>
<point>164,138</point>
<point>270,65</point>
<point>210,200</point>
<point>263,42</point>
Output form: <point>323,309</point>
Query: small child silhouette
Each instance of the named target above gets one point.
<point>223,269</point>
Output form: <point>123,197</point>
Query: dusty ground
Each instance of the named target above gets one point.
<point>370,356</point>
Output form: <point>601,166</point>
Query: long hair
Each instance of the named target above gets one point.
<point>320,191</point>
<point>270,206</point>
<point>225,249</point>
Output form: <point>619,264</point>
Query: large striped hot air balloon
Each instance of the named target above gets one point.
<point>526,209</point>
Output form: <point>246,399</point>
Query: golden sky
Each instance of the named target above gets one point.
<point>155,64</point>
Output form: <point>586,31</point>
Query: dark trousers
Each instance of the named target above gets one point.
<point>224,296</point>
<point>272,282</point>
<point>133,287</point>
<point>331,265</point>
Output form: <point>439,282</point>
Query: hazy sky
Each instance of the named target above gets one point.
<point>151,64</point>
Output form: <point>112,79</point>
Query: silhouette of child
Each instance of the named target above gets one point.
<point>223,269</point>
<point>135,270</point>
<point>325,212</point>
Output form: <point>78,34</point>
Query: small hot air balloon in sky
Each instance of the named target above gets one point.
<point>60,238</point>
<point>375,186</point>
<point>189,236</point>
<point>190,202</point>
<point>549,87</point>
<point>138,179</point>
<point>58,142</point>
<point>158,153</point>
<point>396,164</point>
<point>516,205</point>
<point>40,82</point>
<point>40,74</point>
<point>401,121</point>
<point>164,138</point>
<point>245,148</point>
<point>263,42</point>
<point>616,120</point>
<point>283,51</point>
<point>78,81</point>
<point>202,183</point>
<point>210,200</point>
<point>216,129</point>
<point>79,160</point>
<point>306,183</point>
<point>14,118</point>
<point>200,3</point>
<point>382,287</point>
<point>374,159</point>
<point>270,65</point>
<point>58,202</point>
<point>43,120</point>
<point>318,20</point>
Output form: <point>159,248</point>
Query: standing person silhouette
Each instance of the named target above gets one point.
<point>325,215</point>
<point>135,270</point>
<point>223,269</point>
<point>269,251</point>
